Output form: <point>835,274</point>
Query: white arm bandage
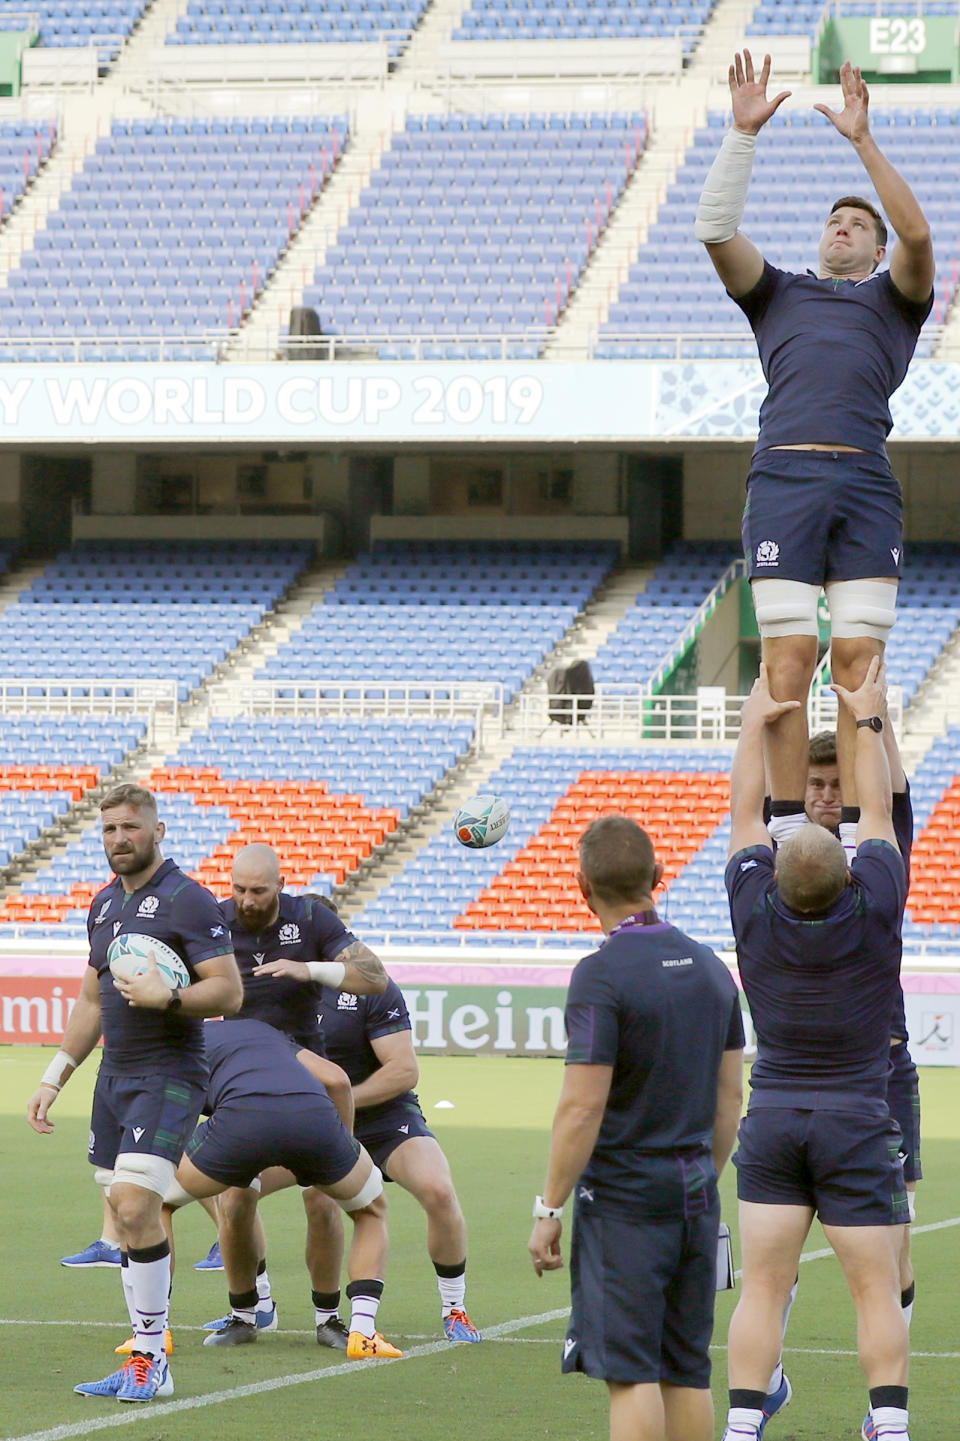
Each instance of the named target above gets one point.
<point>54,1076</point>
<point>724,195</point>
<point>327,973</point>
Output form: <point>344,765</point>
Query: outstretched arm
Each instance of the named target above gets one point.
<point>747,776</point>
<point>736,259</point>
<point>871,767</point>
<point>911,264</point>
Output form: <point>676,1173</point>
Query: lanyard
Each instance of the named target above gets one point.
<point>633,923</point>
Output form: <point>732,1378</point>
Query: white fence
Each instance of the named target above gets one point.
<point>481,703</point>
<point>629,715</point>
<point>157,700</point>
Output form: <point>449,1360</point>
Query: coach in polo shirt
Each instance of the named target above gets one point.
<point>646,1120</point>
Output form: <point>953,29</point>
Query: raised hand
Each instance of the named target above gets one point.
<point>751,108</point>
<point>760,705</point>
<point>852,121</point>
<point>870,698</point>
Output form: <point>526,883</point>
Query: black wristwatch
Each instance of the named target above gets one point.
<point>874,722</point>
<point>174,1003</point>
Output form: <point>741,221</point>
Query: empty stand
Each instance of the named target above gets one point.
<point>475,226</point>
<point>280,22</point>
<point>155,609</point>
<point>103,23</point>
<point>666,605</point>
<point>579,20</point>
<point>524,884</point>
<point>169,230</point>
<point>444,613</point>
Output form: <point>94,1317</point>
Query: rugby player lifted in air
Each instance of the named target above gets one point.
<point>823,507</point>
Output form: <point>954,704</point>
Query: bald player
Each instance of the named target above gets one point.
<point>288,948</point>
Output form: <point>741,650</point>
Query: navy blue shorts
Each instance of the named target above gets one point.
<point>642,1293</point>
<point>845,1165</point>
<point>903,1098</point>
<point>819,516</point>
<point>302,1132</point>
<point>152,1115</point>
<point>389,1129</point>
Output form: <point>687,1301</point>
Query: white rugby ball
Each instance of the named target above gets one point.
<point>481,821</point>
<point>127,956</point>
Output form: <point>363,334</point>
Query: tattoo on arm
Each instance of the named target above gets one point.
<point>367,965</point>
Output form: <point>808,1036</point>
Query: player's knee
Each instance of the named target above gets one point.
<point>786,608</point>
<point>438,1198</point>
<point>862,610</point>
<point>150,1175</point>
<point>237,1206</point>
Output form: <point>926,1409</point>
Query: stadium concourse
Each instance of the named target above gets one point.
<point>353,772</point>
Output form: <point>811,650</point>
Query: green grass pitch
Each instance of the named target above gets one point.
<point>58,1327</point>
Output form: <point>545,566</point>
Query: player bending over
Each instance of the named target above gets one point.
<point>265,1110</point>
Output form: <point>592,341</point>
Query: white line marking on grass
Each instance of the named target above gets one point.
<point>277,1383</point>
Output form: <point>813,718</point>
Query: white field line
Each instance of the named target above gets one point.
<point>154,1411</point>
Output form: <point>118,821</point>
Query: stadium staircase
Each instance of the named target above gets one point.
<point>935,706</point>
<point>42,196</point>
<point>617,249</point>
<point>250,656</point>
<point>599,617</point>
<point>259,335</point>
<point>425,821</point>
<point>677,110</point>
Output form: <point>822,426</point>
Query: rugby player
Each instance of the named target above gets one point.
<point>823,507</point>
<point>372,1039</point>
<point>822,805</point>
<point>646,1120</point>
<point>287,947</point>
<point>265,1110</point>
<point>819,954</point>
<point>153,1073</point>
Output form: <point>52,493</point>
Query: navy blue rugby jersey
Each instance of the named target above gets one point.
<point>833,352</point>
<point>305,930</point>
<point>661,1009</point>
<point>350,1023</point>
<point>822,990</point>
<point>183,914</point>
<point>902,818</point>
<point>249,1060</point>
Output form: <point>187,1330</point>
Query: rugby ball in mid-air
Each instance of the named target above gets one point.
<point>127,957</point>
<point>481,821</point>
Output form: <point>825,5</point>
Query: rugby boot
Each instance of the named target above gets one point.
<point>458,1327</point>
<point>369,1348</point>
<point>145,1378</point>
<point>234,1333</point>
<point>333,1333</point>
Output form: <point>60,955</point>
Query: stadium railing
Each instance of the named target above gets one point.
<point>618,714</point>
<point>96,695</point>
<point>234,345</point>
<point>480,703</point>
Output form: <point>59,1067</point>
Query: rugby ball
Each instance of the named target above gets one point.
<point>127,956</point>
<point>481,821</point>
